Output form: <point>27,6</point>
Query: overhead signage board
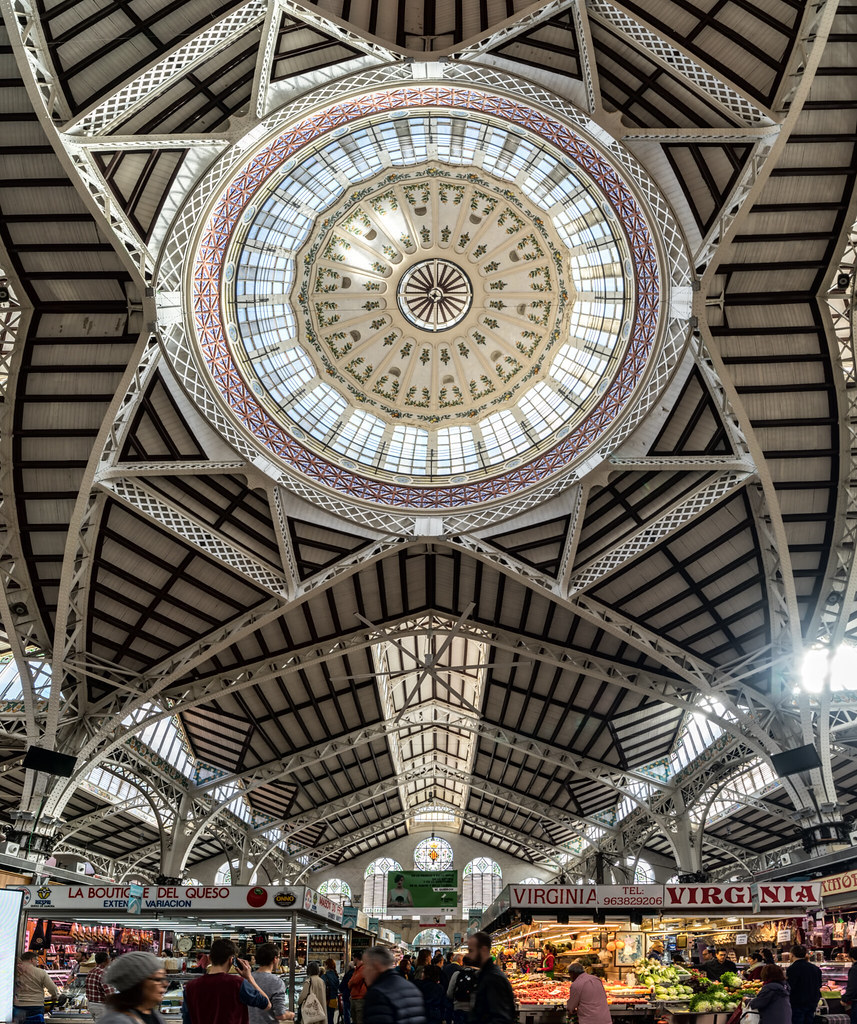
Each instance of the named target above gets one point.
<point>703,897</point>
<point>835,884</point>
<point>210,899</point>
<point>692,898</point>
<point>135,898</point>
<point>788,894</point>
<point>553,897</point>
<point>619,896</point>
<point>435,891</point>
<point>320,905</point>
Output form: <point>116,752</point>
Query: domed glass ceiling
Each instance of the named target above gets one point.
<point>427,297</point>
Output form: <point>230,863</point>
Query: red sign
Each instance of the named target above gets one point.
<point>534,897</point>
<point>789,894</point>
<point>731,896</point>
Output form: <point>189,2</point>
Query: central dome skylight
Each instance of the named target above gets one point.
<point>427,296</point>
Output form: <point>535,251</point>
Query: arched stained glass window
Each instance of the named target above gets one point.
<point>643,874</point>
<point>431,938</point>
<point>433,855</point>
<point>337,890</point>
<point>483,880</point>
<point>375,886</point>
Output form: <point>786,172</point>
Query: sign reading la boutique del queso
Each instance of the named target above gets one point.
<point>673,897</point>
<point>208,898</point>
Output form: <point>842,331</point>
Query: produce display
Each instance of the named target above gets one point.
<point>533,988</point>
<point>715,999</point>
<point>635,995</point>
<point>668,984</point>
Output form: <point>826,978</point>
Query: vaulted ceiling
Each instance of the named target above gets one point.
<point>554,655</point>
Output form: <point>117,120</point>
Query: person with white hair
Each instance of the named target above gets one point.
<point>390,999</point>
<point>587,996</point>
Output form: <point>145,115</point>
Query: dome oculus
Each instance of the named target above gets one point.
<point>434,295</point>
<point>427,308</point>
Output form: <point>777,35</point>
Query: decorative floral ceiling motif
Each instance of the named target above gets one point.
<point>427,297</point>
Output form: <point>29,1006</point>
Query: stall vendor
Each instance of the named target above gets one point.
<point>548,961</point>
<point>656,950</point>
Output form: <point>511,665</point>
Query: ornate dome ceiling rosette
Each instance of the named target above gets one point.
<point>431,297</point>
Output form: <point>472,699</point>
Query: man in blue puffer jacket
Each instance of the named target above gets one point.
<point>390,999</point>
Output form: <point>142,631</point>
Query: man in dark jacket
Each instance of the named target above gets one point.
<point>804,981</point>
<point>493,1000</point>
<point>715,969</point>
<point>849,996</point>
<point>389,998</point>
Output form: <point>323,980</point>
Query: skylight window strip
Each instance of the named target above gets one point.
<point>318,411</point>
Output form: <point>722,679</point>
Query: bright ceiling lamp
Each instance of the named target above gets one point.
<point>841,664</point>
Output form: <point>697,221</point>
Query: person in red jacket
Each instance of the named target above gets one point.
<point>220,997</point>
<point>357,990</point>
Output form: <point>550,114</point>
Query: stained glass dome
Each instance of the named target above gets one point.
<point>427,297</point>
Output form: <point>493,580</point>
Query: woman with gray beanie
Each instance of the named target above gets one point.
<point>140,982</point>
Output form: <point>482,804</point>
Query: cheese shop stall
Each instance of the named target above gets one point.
<point>67,924</point>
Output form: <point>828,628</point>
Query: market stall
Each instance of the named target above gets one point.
<point>628,935</point>
<point>68,923</point>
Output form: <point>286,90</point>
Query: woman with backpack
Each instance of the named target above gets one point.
<point>331,981</point>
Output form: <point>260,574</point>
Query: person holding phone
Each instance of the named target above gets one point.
<point>220,997</point>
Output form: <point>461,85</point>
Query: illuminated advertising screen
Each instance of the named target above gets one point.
<point>10,922</point>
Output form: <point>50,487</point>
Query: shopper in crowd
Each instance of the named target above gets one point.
<point>267,961</point>
<point>461,988</point>
<point>849,996</point>
<point>449,968</point>
<point>220,997</point>
<point>804,980</point>
<point>757,964</point>
<point>389,998</point>
<point>772,1002</point>
<point>344,992</point>
<point>331,981</point>
<point>406,968</point>
<point>96,991</point>
<point>587,997</point>
<point>423,960</point>
<point>31,983</point>
<point>313,986</point>
<point>137,983</point>
<point>768,956</point>
<point>493,1000</point>
<point>433,993</point>
<point>357,989</point>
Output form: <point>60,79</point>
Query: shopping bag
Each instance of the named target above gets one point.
<point>749,1016</point>
<point>312,1012</point>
